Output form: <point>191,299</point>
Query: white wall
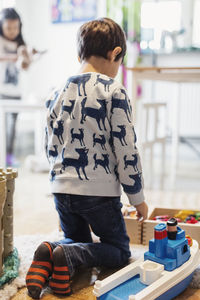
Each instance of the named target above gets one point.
<point>59,39</point>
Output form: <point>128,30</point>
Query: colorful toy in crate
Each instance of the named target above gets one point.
<point>164,218</point>
<point>129,210</point>
<point>191,220</point>
<point>186,216</point>
<point>162,273</point>
<point>197,216</point>
<point>183,214</point>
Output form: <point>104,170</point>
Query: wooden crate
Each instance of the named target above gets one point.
<point>148,226</point>
<point>134,230</point>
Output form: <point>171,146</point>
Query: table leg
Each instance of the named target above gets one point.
<point>39,132</point>
<point>175,134</point>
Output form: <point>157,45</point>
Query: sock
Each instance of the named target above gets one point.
<point>60,280</point>
<point>40,270</point>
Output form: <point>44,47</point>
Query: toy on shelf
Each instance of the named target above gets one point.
<point>7,186</point>
<point>162,273</point>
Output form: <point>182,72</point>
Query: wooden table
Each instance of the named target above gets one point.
<point>169,74</point>
<point>176,74</point>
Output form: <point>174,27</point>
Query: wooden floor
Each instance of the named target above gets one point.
<point>34,207</point>
<point>86,294</point>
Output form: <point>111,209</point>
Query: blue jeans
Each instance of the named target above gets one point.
<point>103,215</point>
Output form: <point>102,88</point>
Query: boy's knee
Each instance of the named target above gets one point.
<point>42,250</point>
<point>125,256</point>
<point>58,255</point>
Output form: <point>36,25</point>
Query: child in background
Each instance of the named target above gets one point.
<point>14,56</point>
<point>90,145</point>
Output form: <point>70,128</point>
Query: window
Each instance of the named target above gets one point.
<point>159,23</point>
<point>196,24</point>
<point>6,3</point>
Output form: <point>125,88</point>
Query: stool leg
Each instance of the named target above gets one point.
<point>163,162</point>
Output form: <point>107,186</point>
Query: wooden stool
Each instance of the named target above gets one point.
<point>152,134</point>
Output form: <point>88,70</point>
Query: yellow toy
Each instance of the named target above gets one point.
<point>183,214</point>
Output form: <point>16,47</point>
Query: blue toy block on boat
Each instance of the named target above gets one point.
<point>171,253</point>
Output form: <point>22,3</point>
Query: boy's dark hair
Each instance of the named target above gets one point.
<point>99,36</point>
<point>11,14</point>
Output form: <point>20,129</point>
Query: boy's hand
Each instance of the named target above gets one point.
<point>142,211</point>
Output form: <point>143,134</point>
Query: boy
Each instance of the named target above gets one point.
<point>91,149</point>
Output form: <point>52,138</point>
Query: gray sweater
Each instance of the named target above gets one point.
<point>90,139</point>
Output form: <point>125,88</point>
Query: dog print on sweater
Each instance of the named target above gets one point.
<point>78,163</point>
<point>99,114</point>
<point>91,140</point>
<point>79,81</point>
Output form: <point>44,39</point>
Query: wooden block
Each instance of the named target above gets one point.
<point>148,231</point>
<point>134,230</point>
